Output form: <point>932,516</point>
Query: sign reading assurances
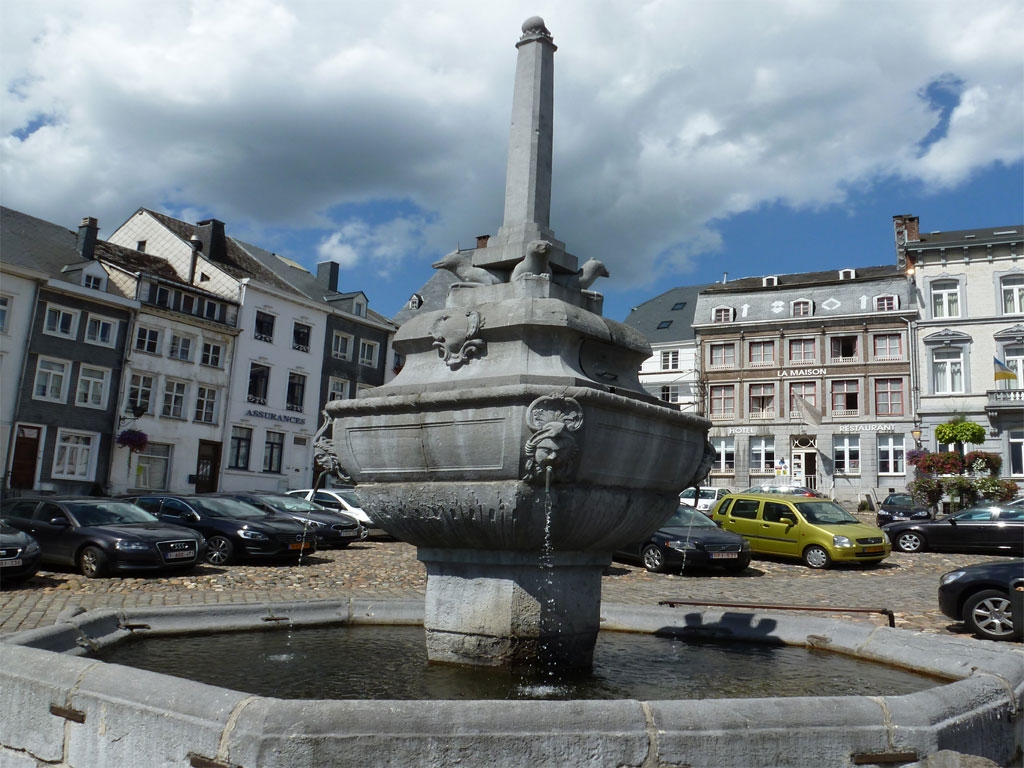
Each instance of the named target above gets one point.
<point>275,416</point>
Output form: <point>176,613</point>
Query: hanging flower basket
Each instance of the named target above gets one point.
<point>134,440</point>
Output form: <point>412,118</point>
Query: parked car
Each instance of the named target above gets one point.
<point>19,554</point>
<point>232,528</point>
<point>987,530</point>
<point>688,539</point>
<point>707,499</point>
<point>1016,502</point>
<point>333,529</point>
<point>342,499</point>
<point>817,531</point>
<point>99,535</point>
<point>901,506</point>
<point>785,490</point>
<point>979,596</point>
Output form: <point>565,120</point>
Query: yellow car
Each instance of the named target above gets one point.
<point>817,531</point>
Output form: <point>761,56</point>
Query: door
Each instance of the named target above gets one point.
<point>778,536</point>
<point>207,466</point>
<point>805,469</point>
<point>26,452</point>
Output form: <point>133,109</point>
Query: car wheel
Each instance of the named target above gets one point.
<point>987,615</point>
<point>817,557</point>
<point>910,541</point>
<point>654,559</point>
<point>219,550</point>
<point>92,562</point>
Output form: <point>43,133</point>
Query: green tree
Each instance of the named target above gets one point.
<point>959,430</point>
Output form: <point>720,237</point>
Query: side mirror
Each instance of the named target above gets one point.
<point>788,519</point>
<point>190,515</point>
<point>60,522</point>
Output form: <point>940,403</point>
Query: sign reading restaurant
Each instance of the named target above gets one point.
<point>275,416</point>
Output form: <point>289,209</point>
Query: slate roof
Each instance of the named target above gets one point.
<point>29,242</point>
<point>961,237</point>
<point>434,293</point>
<point>803,279</point>
<point>131,260</point>
<point>648,316</point>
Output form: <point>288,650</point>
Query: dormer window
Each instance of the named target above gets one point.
<point>887,303</point>
<point>802,308</point>
<point>664,324</point>
<point>722,315</point>
<point>847,274</point>
<point>678,305</point>
<point>93,281</point>
<point>359,308</point>
<point>769,282</point>
<point>415,301</point>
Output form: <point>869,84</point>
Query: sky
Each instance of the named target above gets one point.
<point>693,139</point>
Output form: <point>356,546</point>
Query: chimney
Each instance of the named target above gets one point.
<point>481,241</point>
<point>88,231</point>
<point>327,273</point>
<point>906,229</point>
<point>215,244</point>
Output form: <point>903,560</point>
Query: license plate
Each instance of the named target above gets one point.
<point>301,545</point>
<point>9,563</point>
<point>181,554</point>
<point>724,555</point>
<point>870,550</point>
<point>349,533</point>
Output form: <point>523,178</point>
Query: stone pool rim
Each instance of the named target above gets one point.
<point>59,705</point>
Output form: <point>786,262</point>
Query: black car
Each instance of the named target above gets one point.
<point>100,535</point>
<point>900,506</point>
<point>333,529</point>
<point>987,530</point>
<point>19,554</point>
<point>979,596</point>
<point>232,528</point>
<point>689,539</point>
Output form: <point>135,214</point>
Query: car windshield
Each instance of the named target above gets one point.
<point>825,513</point>
<point>107,512</point>
<point>287,503</point>
<point>350,498</point>
<point>219,507</point>
<point>688,517</point>
<point>899,501</point>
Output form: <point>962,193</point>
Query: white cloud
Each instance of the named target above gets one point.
<point>670,116</point>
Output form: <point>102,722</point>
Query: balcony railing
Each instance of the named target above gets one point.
<point>766,413</point>
<point>845,412</point>
<point>1003,399</point>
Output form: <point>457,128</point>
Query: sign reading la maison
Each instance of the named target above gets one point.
<point>802,372</point>
<point>275,416</point>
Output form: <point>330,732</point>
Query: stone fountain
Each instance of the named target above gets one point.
<point>517,449</point>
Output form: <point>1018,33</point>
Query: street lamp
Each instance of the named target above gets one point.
<point>916,434</point>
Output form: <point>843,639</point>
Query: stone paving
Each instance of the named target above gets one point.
<point>905,584</point>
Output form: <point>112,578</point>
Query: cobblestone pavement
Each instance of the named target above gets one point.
<point>905,584</point>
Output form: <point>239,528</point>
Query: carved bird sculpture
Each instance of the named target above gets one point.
<point>461,264</point>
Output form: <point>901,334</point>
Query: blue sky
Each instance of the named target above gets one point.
<point>692,138</point>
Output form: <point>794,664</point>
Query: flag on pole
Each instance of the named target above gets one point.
<point>808,413</point>
<point>1003,371</point>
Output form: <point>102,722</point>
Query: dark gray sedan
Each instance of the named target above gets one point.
<point>688,539</point>
<point>983,530</point>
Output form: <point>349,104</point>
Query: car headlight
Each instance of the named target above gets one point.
<point>745,546</point>
<point>681,546</point>
<point>922,515</point>
<point>315,524</point>
<point>32,548</point>
<point>245,533</point>
<point>132,546</point>
<point>841,541</point>
<point>885,538</point>
<point>949,578</point>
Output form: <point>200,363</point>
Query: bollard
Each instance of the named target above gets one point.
<point>1017,607</point>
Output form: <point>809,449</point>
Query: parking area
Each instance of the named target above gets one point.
<point>906,584</point>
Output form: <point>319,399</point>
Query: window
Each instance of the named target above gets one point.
<point>762,455</point>
<point>341,346</point>
<point>843,349</point>
<point>888,397</point>
<point>148,340</point>
<point>174,399</point>
<point>723,355</point>
<point>1014,359</point>
<point>206,405</point>
<point>802,351</point>
<point>670,360</point>
<point>160,295</point>
<point>725,460</point>
<point>211,355</point>
<point>722,315</point>
<point>213,310</point>
<point>51,380</point>
<point>890,455</point>
<point>664,324</point>
<point>296,395</point>
<point>723,401</point>
<point>259,382</point>
<point>670,393</point>
<point>802,308</point>
<point>188,304</point>
<point>1016,452</point>
<point>100,330</point>
<point>762,353</point>
<point>75,455</point>
<point>153,467</point>
<point>60,322</point>
<point>678,305</point>
<point>300,337</point>
<point>92,387</point>
<point>140,392</point>
<point>945,298</point>
<point>93,281</point>
<point>359,308</point>
<point>762,401</point>
<point>846,454</point>
<point>368,353</point>
<point>888,346</point>
<point>238,449</point>
<point>886,303</point>
<point>264,326</point>
<point>5,305</point>
<point>273,449</point>
<point>845,397</point>
<point>1013,295</point>
<point>337,389</point>
<point>808,390</point>
<point>947,371</point>
<point>181,348</point>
